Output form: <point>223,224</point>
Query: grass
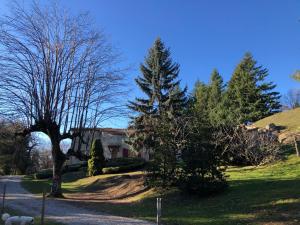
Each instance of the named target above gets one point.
<point>290,120</point>
<point>37,220</point>
<point>257,195</point>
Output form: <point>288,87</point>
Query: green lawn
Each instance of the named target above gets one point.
<point>264,195</point>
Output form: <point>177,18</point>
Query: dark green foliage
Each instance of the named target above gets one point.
<point>15,151</point>
<point>172,128</point>
<point>125,168</point>
<point>48,173</point>
<point>201,96</point>
<point>97,159</point>
<point>208,100</point>
<point>159,82</point>
<point>202,171</point>
<point>163,104</point>
<point>44,174</point>
<point>215,99</point>
<point>168,142</point>
<point>123,161</point>
<point>249,97</point>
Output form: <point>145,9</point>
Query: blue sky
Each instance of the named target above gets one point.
<point>202,34</point>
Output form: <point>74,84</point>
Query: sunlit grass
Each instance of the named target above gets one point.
<point>290,120</point>
<point>257,195</point>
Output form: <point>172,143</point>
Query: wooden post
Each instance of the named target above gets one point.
<point>43,208</point>
<point>296,146</point>
<point>158,206</point>
<point>3,199</point>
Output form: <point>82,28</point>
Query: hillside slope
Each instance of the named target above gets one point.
<point>266,195</point>
<point>289,120</point>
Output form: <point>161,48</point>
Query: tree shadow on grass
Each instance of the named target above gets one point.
<point>245,202</point>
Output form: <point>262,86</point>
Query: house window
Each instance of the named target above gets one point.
<point>125,152</point>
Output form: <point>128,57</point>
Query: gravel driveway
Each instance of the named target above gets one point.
<point>58,210</point>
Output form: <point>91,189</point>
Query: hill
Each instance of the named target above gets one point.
<point>288,120</point>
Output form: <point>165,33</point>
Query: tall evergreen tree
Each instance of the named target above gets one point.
<point>157,113</point>
<point>249,97</point>
<point>201,95</point>
<point>159,82</point>
<point>215,97</point>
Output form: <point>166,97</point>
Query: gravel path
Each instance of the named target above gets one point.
<point>58,210</point>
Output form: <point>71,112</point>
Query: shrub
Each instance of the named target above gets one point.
<point>124,168</point>
<point>72,168</point>
<point>44,174</point>
<point>48,173</point>
<point>97,159</point>
<point>123,161</point>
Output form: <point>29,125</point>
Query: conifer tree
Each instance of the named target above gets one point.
<point>157,113</point>
<point>97,160</point>
<point>215,97</point>
<point>201,95</point>
<point>249,97</point>
<point>159,82</point>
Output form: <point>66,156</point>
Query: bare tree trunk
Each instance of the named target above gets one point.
<point>58,163</point>
<point>296,146</point>
<point>59,159</point>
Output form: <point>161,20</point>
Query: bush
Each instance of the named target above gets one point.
<point>123,161</point>
<point>124,168</point>
<point>48,173</point>
<point>44,174</point>
<point>97,159</point>
<point>72,168</point>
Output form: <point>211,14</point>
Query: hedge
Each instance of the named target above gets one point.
<point>44,174</point>
<point>122,169</point>
<point>48,173</point>
<point>118,165</point>
<point>123,161</point>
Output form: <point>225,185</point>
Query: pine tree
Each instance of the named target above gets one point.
<point>249,97</point>
<point>201,95</point>
<point>159,82</point>
<point>97,160</point>
<point>215,98</point>
<point>157,113</point>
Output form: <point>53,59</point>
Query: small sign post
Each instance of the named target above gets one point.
<point>158,206</point>
<point>43,208</point>
<point>3,199</point>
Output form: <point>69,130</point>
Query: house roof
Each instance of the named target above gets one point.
<point>113,131</point>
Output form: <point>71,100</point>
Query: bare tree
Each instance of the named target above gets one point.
<point>250,147</point>
<point>57,75</point>
<point>292,98</point>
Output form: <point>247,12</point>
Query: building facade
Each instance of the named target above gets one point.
<point>114,143</point>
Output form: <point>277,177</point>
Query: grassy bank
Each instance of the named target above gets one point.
<point>288,120</point>
<point>264,195</point>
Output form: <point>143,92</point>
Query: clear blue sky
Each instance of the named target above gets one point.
<point>202,34</point>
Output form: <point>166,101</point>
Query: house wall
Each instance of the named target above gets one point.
<point>107,139</point>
